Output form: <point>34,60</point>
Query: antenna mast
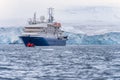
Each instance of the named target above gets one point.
<point>50,12</point>
<point>34,18</point>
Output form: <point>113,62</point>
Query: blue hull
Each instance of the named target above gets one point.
<point>41,41</point>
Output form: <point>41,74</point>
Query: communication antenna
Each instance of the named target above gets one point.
<point>50,12</point>
<point>34,18</point>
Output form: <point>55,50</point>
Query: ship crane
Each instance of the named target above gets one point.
<point>50,12</point>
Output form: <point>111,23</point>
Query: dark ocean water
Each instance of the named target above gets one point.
<point>59,63</point>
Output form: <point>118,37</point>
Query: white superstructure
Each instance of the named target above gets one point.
<point>43,28</point>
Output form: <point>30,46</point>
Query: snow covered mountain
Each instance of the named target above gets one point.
<point>91,20</point>
<point>84,25</point>
<point>93,15</point>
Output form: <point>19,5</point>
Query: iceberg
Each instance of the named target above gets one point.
<point>112,38</point>
<point>10,35</point>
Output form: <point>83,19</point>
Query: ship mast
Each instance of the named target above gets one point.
<point>50,12</point>
<point>34,18</point>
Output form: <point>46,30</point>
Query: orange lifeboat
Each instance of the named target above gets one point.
<point>57,24</point>
<point>30,45</point>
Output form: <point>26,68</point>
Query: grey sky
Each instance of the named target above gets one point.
<point>15,12</point>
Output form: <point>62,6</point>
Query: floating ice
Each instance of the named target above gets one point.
<point>48,49</point>
<point>68,52</point>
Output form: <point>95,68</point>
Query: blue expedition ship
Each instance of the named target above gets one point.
<point>43,33</point>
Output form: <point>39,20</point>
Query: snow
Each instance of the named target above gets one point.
<point>10,35</point>
<point>104,37</point>
<point>112,38</point>
<point>91,15</point>
<point>91,25</point>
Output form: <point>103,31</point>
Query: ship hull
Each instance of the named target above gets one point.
<point>41,41</point>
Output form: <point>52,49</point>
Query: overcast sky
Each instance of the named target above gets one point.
<point>15,12</point>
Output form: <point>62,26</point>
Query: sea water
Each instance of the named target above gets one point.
<point>18,62</point>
